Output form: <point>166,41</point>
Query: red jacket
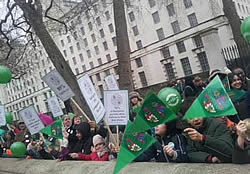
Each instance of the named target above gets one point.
<point>93,157</point>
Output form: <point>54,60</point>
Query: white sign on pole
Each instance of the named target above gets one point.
<point>111,82</point>
<point>117,108</point>
<point>54,106</point>
<point>2,116</point>
<point>91,97</point>
<point>31,119</point>
<point>55,81</point>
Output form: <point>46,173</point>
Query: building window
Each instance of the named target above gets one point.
<point>90,26</point>
<point>91,64</point>
<point>143,79</point>
<point>181,46</point>
<point>188,3</point>
<point>114,41</point>
<point>156,17</point>
<point>203,61</point>
<point>192,20</point>
<point>87,14</point>
<point>135,30</point>
<point>138,62</point>
<point>98,77</point>
<point>68,39</point>
<point>81,57</point>
<point>176,27</point>
<point>79,20</point>
<point>102,33</point>
<point>88,53</point>
<point>186,66</point>
<point>101,89</point>
<point>78,46</point>
<point>74,60</point>
<point>139,44</point>
<point>128,3</point>
<point>111,28</point>
<point>75,36</point>
<point>105,45</point>
<point>116,69</point>
<point>83,68</point>
<point>71,50</point>
<point>170,8</point>
<point>165,52</point>
<point>99,61</point>
<point>77,71</point>
<point>108,57</point>
<point>107,72</point>
<point>82,31</point>
<point>160,33</point>
<point>170,71</point>
<point>107,15</point>
<point>62,43</point>
<point>85,41</point>
<point>151,3</point>
<point>95,7</point>
<point>98,20</point>
<point>93,37</point>
<point>131,16</point>
<point>198,41</point>
<point>97,51</point>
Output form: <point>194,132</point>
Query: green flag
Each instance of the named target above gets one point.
<point>152,113</point>
<point>213,101</point>
<point>226,84</point>
<point>54,129</point>
<point>236,94</point>
<point>133,144</point>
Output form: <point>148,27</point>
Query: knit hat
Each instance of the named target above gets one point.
<point>98,139</point>
<point>134,94</point>
<point>215,72</point>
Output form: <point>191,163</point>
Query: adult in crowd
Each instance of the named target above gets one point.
<point>208,140</point>
<point>170,147</point>
<point>241,153</point>
<point>135,101</point>
<point>23,134</point>
<point>241,74</point>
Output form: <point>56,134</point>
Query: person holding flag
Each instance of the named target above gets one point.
<point>170,147</point>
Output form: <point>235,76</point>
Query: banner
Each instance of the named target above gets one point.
<point>91,97</point>
<point>54,106</point>
<point>111,82</point>
<point>2,116</point>
<point>55,81</point>
<point>31,119</point>
<point>117,107</point>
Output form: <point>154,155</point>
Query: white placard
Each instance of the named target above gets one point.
<point>91,97</point>
<point>55,81</point>
<point>2,116</point>
<point>54,106</point>
<point>31,119</point>
<point>117,109</point>
<point>111,82</point>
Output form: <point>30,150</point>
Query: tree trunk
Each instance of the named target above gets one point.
<point>55,55</point>
<point>123,48</point>
<point>234,21</point>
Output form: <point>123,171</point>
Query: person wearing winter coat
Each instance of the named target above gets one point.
<point>241,153</point>
<point>170,147</point>
<point>208,140</point>
<point>99,152</point>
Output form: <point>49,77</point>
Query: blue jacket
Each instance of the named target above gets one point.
<point>155,152</point>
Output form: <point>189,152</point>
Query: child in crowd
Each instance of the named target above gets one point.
<point>99,152</point>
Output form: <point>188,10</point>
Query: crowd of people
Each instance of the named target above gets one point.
<point>221,139</point>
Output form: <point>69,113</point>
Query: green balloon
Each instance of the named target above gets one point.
<point>18,149</point>
<point>171,97</point>
<point>5,74</point>
<point>9,117</point>
<point>245,28</point>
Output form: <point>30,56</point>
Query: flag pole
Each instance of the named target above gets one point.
<point>86,116</point>
<point>117,135</point>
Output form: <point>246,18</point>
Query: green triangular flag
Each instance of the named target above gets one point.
<point>213,101</point>
<point>152,113</point>
<point>54,129</point>
<point>236,94</point>
<point>133,144</point>
<point>226,84</point>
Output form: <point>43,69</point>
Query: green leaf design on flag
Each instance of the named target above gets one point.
<point>213,101</point>
<point>133,144</point>
<point>236,94</point>
<point>54,129</point>
<point>152,113</point>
